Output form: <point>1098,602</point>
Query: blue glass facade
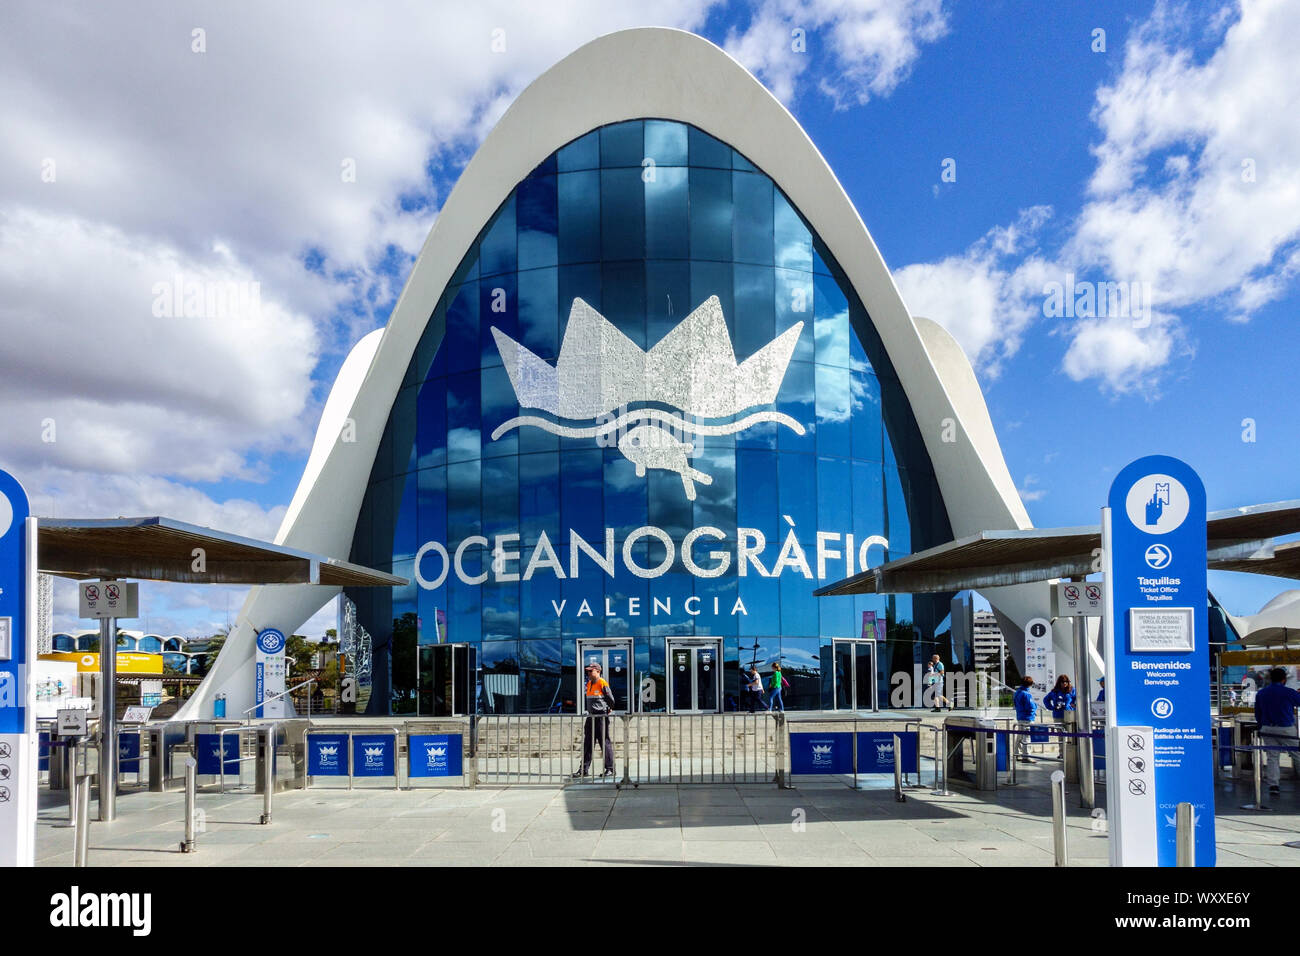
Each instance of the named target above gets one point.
<point>645,222</point>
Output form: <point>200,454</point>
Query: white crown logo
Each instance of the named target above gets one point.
<point>693,368</point>
<point>374,751</point>
<point>821,749</point>
<point>328,751</point>
<point>437,751</point>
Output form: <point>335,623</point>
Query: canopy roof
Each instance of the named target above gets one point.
<point>1238,539</point>
<point>163,549</point>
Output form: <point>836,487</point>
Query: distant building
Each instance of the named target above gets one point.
<point>990,645</point>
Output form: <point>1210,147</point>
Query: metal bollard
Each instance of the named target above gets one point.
<point>82,834</point>
<point>898,770</point>
<point>188,845</point>
<point>268,772</point>
<point>941,763</point>
<point>1185,836</point>
<point>70,779</point>
<point>1257,768</point>
<point>1058,818</point>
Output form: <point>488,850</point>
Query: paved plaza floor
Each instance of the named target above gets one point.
<point>821,822</point>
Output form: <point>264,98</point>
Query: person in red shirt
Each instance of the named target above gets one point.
<point>599,701</point>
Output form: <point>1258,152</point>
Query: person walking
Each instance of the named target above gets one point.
<point>753,688</point>
<point>1275,707</point>
<point>1026,713</point>
<point>777,685</point>
<point>934,677</point>
<point>599,701</point>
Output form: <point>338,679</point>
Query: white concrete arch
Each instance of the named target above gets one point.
<point>641,73</point>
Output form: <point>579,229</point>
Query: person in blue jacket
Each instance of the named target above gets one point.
<point>1060,698</point>
<point>1026,713</point>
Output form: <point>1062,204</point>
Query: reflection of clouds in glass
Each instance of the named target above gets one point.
<point>462,443</point>
<point>795,252</point>
<point>834,394</point>
<point>832,333</point>
<point>500,624</point>
<point>864,387</point>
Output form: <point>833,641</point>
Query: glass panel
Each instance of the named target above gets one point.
<point>501,684</point>
<point>707,151</point>
<point>793,241</point>
<point>667,221</point>
<point>579,216</point>
<point>462,329</point>
<point>707,671</point>
<point>866,676</point>
<point>682,667</point>
<point>665,142</point>
<point>542,674</point>
<point>752,198</point>
<point>538,222</point>
<point>844,674</point>
<point>403,663</point>
<point>622,214</point>
<point>617,667</point>
<point>497,250</point>
<point>498,309</point>
<point>801,666</point>
<point>582,153</point>
<point>621,144</point>
<point>710,214</point>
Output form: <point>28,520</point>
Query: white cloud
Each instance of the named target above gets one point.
<point>1197,186</point>
<point>1029,493</point>
<point>1195,196</point>
<point>861,48</point>
<point>986,297</point>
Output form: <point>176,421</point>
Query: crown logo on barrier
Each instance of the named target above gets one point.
<point>600,372</point>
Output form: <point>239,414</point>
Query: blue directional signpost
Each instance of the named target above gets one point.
<point>270,671</point>
<point>18,741</point>
<point>1159,751</point>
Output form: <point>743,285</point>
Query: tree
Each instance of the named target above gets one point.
<point>299,651</point>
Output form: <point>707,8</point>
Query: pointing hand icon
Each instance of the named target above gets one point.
<point>1155,507</point>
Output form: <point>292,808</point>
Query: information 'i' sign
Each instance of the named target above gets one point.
<point>1158,665</point>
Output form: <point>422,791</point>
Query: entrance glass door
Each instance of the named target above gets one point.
<point>447,675</point>
<point>614,655</point>
<point>694,676</point>
<point>855,675</point>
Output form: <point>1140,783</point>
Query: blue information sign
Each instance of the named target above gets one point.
<point>876,751</point>
<point>13,601</point>
<point>435,755</point>
<point>209,749</point>
<point>327,755</point>
<point>374,755</point>
<point>821,753</point>
<point>18,757</point>
<point>44,751</point>
<point>1160,666</point>
<point>128,753</point>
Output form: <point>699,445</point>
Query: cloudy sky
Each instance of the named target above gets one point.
<point>294,155</point>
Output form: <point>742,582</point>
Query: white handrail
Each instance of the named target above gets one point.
<point>310,680</point>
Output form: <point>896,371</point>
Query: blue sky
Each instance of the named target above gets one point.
<point>1122,165</point>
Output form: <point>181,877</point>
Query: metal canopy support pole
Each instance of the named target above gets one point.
<point>1083,704</point>
<point>108,719</point>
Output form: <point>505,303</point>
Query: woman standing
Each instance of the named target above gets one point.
<point>1058,700</point>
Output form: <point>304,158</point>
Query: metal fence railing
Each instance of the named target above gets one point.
<point>646,748</point>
